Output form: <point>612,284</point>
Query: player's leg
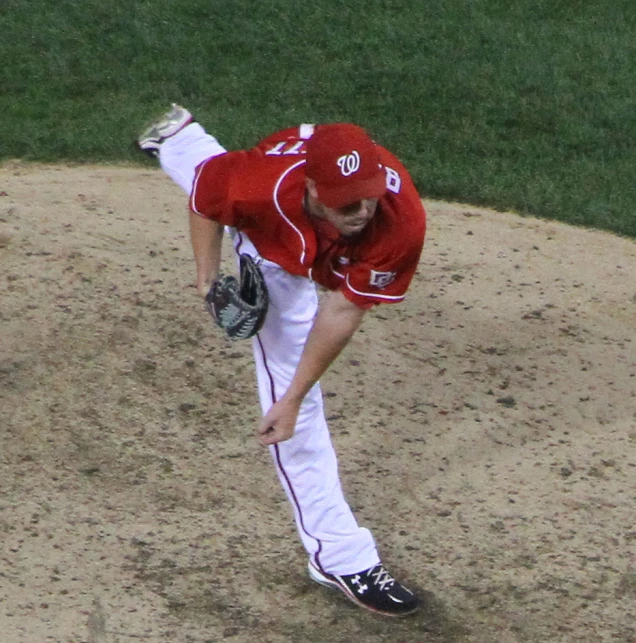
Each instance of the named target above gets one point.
<point>342,555</point>
<point>306,464</point>
<point>180,144</point>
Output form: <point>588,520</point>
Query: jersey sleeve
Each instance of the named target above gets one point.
<point>211,195</point>
<point>383,281</point>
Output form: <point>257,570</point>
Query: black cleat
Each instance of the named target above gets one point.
<point>373,589</point>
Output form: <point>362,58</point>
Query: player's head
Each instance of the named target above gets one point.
<point>343,165</point>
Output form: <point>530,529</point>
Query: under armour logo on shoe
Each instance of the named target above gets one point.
<point>361,588</point>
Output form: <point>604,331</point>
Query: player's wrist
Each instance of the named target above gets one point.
<point>295,397</point>
<point>204,283</point>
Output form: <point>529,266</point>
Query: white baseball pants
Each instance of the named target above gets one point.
<point>306,464</point>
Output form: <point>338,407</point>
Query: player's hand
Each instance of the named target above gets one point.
<point>279,422</point>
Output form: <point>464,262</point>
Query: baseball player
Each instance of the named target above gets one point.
<point>312,205</point>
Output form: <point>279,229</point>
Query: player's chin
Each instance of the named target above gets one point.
<point>353,231</point>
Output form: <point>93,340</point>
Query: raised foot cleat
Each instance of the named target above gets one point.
<point>162,128</point>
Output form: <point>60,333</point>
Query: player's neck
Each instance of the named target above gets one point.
<point>312,206</point>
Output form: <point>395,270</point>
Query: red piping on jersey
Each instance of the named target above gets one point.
<point>364,294</point>
<point>282,214</point>
<point>335,272</point>
<point>371,294</point>
<point>194,187</point>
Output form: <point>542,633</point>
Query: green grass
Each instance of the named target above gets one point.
<point>516,104</point>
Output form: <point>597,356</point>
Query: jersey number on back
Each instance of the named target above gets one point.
<point>284,147</point>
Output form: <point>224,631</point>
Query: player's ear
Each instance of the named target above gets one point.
<point>311,188</point>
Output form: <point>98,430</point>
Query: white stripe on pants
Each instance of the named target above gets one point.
<point>306,464</point>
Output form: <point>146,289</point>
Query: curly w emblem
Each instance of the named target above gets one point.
<point>349,163</point>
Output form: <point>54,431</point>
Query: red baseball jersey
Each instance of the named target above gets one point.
<point>261,192</point>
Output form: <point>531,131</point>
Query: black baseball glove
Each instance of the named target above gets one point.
<point>239,305</point>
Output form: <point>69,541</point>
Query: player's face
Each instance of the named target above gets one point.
<point>351,219</point>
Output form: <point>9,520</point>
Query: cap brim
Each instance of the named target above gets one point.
<point>343,195</point>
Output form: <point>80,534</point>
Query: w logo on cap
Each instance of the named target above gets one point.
<point>349,163</point>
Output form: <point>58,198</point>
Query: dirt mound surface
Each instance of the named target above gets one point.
<point>486,430</point>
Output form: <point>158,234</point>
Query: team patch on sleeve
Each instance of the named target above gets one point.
<point>381,279</point>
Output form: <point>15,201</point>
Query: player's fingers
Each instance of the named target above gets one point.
<point>269,436</point>
<point>264,426</point>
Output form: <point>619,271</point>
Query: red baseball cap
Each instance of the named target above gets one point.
<point>345,165</point>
